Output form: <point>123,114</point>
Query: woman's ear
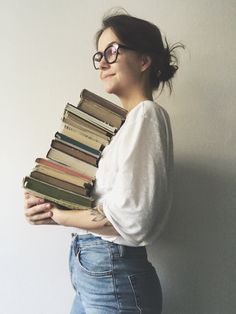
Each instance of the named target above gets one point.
<point>146,62</point>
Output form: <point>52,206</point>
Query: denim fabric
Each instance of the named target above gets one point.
<point>111,278</point>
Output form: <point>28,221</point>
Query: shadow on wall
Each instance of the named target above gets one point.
<point>196,254</point>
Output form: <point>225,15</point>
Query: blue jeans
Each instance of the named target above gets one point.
<point>109,278</point>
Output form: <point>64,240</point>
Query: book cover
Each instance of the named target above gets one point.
<point>58,195</point>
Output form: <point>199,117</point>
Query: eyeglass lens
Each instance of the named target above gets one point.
<point>110,55</point>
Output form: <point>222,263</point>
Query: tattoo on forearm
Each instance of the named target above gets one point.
<point>99,215</point>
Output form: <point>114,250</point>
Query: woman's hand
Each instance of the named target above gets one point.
<point>37,210</point>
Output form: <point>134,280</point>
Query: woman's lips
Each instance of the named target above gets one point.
<point>105,76</point>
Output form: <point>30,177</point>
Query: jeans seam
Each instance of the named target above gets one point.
<point>113,259</point>
<point>136,301</point>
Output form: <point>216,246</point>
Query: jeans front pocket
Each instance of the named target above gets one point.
<point>95,260</point>
<point>147,290</point>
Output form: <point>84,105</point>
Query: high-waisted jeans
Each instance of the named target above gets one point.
<point>112,278</point>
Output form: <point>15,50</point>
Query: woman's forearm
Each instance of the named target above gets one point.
<point>92,219</point>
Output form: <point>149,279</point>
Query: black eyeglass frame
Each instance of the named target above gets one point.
<point>103,54</point>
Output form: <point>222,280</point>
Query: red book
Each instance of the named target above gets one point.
<point>63,168</point>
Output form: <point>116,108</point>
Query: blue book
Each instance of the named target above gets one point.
<point>82,147</point>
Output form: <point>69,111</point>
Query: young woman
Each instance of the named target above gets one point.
<point>109,268</point>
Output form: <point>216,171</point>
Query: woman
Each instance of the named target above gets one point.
<point>108,261</point>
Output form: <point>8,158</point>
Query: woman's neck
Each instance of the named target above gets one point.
<point>133,99</point>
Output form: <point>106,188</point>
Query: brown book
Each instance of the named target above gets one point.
<point>101,108</point>
<point>83,190</point>
<point>74,152</point>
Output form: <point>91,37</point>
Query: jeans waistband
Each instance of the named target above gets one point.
<point>86,240</point>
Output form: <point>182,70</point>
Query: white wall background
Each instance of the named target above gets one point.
<point>45,61</point>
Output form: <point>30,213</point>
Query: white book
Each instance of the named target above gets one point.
<point>77,164</point>
<point>105,126</point>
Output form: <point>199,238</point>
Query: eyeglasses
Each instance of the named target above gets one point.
<point>110,54</point>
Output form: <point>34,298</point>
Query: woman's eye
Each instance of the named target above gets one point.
<point>111,51</point>
<point>98,57</point>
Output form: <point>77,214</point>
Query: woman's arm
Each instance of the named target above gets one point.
<point>40,212</point>
<point>92,219</point>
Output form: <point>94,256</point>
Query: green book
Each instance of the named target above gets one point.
<point>57,195</point>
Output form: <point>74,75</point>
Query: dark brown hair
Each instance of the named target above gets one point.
<point>145,38</point>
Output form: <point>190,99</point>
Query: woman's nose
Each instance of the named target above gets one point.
<point>103,63</point>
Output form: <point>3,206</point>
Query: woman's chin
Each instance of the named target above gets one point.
<point>109,89</point>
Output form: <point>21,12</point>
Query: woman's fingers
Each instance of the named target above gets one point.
<point>31,200</point>
<point>37,210</point>
<point>38,219</point>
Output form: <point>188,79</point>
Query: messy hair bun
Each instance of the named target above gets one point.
<point>145,38</point>
<point>164,66</point>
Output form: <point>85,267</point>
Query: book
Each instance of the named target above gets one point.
<point>77,122</point>
<point>77,180</point>
<point>57,195</point>
<point>101,108</point>
<point>73,151</point>
<point>87,117</point>
<point>81,146</point>
<point>72,162</point>
<point>83,190</point>
<point>86,138</point>
<point>64,168</point>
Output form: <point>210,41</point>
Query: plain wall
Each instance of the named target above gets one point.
<point>45,61</point>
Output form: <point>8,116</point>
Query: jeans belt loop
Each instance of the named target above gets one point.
<point>121,249</point>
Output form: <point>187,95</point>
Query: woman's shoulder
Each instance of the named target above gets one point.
<point>148,110</point>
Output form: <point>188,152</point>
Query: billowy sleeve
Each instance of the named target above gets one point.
<point>138,202</point>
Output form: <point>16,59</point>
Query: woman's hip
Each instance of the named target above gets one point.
<point>114,277</point>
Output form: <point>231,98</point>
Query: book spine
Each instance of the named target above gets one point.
<point>82,146</point>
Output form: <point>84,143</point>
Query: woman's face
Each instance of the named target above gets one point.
<point>124,76</point>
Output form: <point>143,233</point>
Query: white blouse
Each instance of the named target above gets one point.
<point>134,176</point>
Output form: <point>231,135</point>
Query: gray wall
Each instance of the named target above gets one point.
<point>45,61</point>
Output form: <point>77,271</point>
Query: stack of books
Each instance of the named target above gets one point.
<point>66,175</point>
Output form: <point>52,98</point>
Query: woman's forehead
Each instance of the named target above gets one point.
<point>107,37</point>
